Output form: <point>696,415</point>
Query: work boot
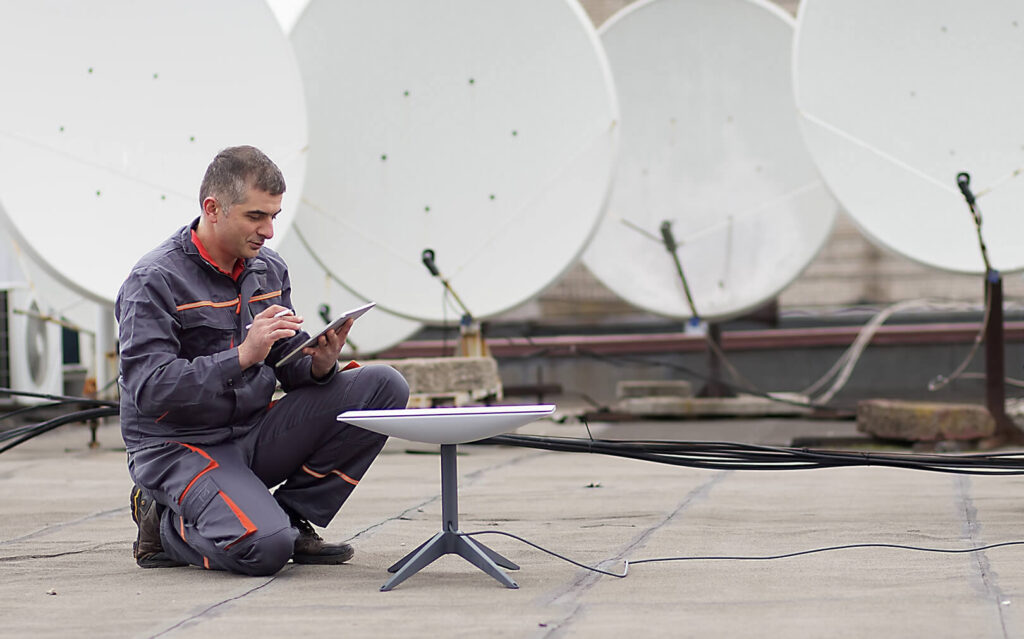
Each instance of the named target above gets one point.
<point>310,548</point>
<point>147,549</point>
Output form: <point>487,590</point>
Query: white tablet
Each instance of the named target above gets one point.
<point>333,326</point>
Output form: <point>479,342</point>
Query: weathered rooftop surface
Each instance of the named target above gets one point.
<point>66,534</point>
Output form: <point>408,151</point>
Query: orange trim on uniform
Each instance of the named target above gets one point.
<point>310,471</point>
<point>235,302</point>
<point>229,303</point>
<point>206,562</point>
<point>264,296</point>
<point>354,482</point>
<point>181,520</point>
<point>166,412</point>
<point>352,364</point>
<point>250,527</point>
<point>213,464</point>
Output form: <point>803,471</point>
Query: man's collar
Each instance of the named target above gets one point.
<point>236,271</point>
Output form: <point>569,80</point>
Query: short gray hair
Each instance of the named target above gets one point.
<point>235,170</point>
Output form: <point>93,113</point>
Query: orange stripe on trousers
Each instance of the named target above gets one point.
<point>250,527</point>
<point>310,471</point>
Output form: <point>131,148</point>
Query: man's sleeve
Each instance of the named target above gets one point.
<point>154,374</point>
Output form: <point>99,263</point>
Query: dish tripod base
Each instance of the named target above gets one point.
<point>450,540</point>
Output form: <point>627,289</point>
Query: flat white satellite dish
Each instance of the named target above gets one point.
<point>313,286</point>
<point>896,99</point>
<point>710,144</point>
<point>446,425</point>
<point>485,131</point>
<point>114,109</point>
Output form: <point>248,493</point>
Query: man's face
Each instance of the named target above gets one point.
<point>243,227</point>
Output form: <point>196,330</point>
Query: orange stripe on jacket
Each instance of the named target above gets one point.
<point>265,296</point>
<point>185,307</point>
<point>250,527</point>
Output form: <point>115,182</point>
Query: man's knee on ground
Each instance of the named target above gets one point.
<point>261,556</point>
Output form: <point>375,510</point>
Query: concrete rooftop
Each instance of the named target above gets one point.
<point>67,570</point>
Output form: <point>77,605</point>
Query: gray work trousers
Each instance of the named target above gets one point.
<point>219,512</point>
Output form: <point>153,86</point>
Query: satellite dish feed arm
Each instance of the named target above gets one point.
<point>963,181</point>
<point>669,239</point>
<point>428,260</point>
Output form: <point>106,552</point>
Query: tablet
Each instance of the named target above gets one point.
<point>354,313</point>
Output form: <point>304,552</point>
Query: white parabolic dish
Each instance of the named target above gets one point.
<point>112,112</point>
<point>710,143</point>
<point>312,286</point>
<point>482,130</point>
<point>896,99</point>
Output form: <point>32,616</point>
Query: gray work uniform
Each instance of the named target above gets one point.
<point>202,434</point>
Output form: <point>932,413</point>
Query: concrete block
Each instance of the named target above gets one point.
<point>447,381</point>
<point>653,388</point>
<point>924,421</point>
<point>742,406</point>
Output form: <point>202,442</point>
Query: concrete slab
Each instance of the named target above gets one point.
<point>447,381</point>
<point>910,421</point>
<point>739,406</point>
<point>66,529</point>
<point>654,388</point>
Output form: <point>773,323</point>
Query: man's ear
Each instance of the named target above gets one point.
<point>211,208</point>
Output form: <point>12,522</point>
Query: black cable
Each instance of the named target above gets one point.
<point>952,551</point>
<point>542,549</point>
<point>60,398</point>
<point>29,409</point>
<point>77,416</point>
<point>733,456</point>
<point>627,563</point>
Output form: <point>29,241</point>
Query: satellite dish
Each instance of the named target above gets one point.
<point>105,138</point>
<point>710,145</point>
<point>485,131</point>
<point>313,287</point>
<point>22,271</point>
<point>287,12</point>
<point>896,99</point>
<point>446,425</point>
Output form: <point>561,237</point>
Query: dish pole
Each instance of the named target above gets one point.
<point>995,363</point>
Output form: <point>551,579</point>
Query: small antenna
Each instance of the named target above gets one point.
<point>471,339</point>
<point>428,260</point>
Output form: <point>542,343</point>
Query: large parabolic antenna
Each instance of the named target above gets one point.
<point>113,109</point>
<point>896,99</point>
<point>485,131</point>
<point>314,286</point>
<point>710,144</point>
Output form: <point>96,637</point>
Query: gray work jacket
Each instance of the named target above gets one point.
<point>180,321</point>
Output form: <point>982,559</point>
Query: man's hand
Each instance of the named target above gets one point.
<point>325,353</point>
<point>264,331</point>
